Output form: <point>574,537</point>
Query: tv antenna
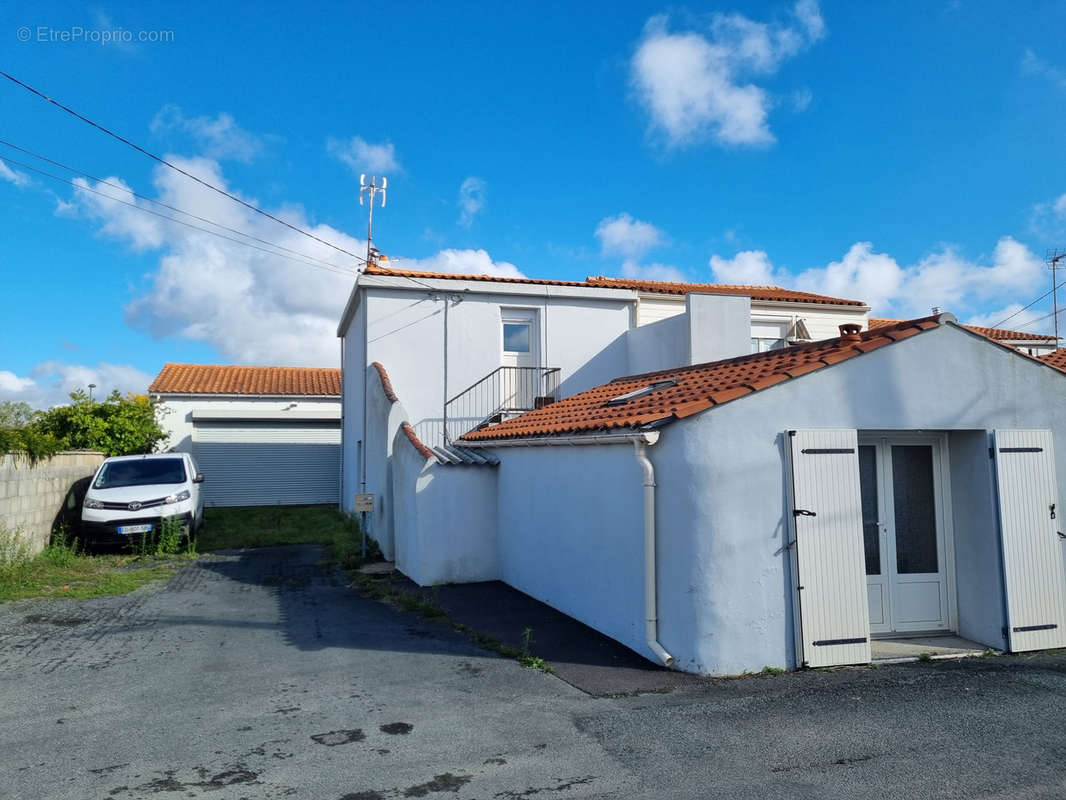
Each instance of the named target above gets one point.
<point>371,190</point>
<point>1052,259</point>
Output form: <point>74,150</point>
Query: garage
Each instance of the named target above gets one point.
<point>254,459</point>
<point>260,435</point>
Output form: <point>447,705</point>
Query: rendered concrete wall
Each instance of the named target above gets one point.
<point>719,326</point>
<point>658,345</point>
<point>444,518</point>
<point>978,558</point>
<point>571,533</point>
<point>384,418</point>
<point>405,332</point>
<point>32,495</point>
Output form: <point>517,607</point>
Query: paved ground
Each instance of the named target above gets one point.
<point>259,675</point>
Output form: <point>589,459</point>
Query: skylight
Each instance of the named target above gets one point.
<point>641,392</point>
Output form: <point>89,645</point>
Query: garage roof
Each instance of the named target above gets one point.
<point>222,379</point>
<point>655,397</point>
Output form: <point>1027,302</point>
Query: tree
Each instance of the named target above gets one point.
<point>14,414</point>
<point>118,426</point>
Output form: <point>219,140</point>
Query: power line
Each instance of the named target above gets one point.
<point>1023,308</point>
<point>321,265</point>
<point>176,168</point>
<point>122,188</point>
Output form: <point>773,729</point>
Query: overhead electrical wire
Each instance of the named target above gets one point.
<point>1023,308</point>
<point>321,265</point>
<point>176,168</point>
<point>101,181</point>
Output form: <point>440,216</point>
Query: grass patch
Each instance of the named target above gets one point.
<point>62,571</point>
<point>269,526</point>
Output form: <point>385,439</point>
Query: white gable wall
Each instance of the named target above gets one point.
<point>176,411</point>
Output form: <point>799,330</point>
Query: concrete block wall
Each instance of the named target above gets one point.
<point>32,494</point>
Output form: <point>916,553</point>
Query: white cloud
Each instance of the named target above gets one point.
<point>1048,219</point>
<point>692,83</point>
<point>108,204</point>
<point>748,267</point>
<point>51,382</point>
<point>471,199</point>
<point>943,278</point>
<point>653,272</point>
<point>218,137</point>
<point>466,262</point>
<point>1032,64</point>
<point>627,237</point>
<point>363,156</point>
<point>13,176</point>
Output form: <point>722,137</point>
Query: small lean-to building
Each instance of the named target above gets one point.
<point>781,509</point>
<point>260,435</point>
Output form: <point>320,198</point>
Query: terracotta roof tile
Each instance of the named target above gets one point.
<point>773,293</point>
<point>225,379</point>
<point>997,334</point>
<point>412,437</point>
<point>1056,358</point>
<point>768,293</point>
<point>695,388</point>
<point>386,384</point>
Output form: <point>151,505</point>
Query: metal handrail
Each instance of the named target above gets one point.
<point>504,391</point>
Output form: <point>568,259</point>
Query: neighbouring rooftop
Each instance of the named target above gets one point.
<point>239,380</point>
<point>997,334</point>
<point>758,293</point>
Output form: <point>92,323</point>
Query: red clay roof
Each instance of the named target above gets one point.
<point>997,334</point>
<point>225,379</point>
<point>772,293</point>
<point>1056,358</point>
<point>696,388</point>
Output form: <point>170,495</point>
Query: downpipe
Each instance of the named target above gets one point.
<point>651,609</point>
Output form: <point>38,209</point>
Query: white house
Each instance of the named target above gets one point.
<point>260,435</point>
<point>462,351</point>
<point>784,508</point>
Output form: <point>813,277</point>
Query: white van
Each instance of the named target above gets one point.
<point>130,495</point>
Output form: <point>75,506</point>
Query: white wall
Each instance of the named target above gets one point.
<point>405,332</point>
<point>444,517</point>
<point>175,413</point>
<point>571,533</point>
<point>384,418</point>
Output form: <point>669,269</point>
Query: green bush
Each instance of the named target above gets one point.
<point>117,426</point>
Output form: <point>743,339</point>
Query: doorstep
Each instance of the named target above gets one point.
<point>937,646</point>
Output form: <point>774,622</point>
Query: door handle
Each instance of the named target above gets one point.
<point>802,512</point>
<point>1061,534</point>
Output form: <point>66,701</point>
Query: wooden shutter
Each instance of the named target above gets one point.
<point>1030,520</point>
<point>828,556</point>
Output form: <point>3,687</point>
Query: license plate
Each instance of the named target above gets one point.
<point>134,528</point>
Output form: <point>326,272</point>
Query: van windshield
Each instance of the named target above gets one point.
<point>142,472</point>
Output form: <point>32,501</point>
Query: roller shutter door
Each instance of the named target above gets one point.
<point>268,462</point>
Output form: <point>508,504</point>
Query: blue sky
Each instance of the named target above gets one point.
<point>906,154</point>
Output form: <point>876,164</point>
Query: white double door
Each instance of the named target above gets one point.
<point>904,533</point>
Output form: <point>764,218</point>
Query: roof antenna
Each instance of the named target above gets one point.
<point>1052,259</point>
<point>371,189</point>
<point>936,310</point>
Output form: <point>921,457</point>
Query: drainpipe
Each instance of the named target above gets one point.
<point>651,605</point>
<point>640,446</point>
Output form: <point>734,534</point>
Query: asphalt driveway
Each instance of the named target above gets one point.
<point>259,674</point>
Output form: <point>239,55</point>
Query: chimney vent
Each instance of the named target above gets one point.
<point>849,332</point>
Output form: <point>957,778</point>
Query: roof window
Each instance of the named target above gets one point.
<point>641,392</point>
